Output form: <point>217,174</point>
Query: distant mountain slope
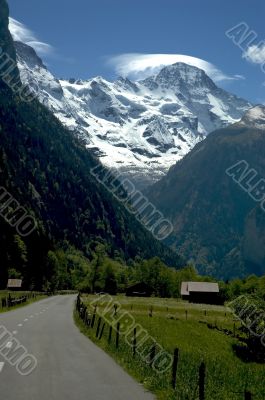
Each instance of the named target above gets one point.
<point>141,128</point>
<point>47,170</point>
<point>216,222</point>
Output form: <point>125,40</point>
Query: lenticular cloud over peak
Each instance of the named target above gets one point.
<point>21,33</point>
<point>139,66</point>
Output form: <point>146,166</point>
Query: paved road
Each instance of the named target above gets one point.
<point>69,365</point>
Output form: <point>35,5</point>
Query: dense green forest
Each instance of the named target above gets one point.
<point>68,268</point>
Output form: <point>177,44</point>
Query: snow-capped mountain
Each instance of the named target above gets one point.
<point>254,117</point>
<point>143,127</point>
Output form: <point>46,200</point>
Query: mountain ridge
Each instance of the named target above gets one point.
<point>142,127</point>
<point>214,216</point>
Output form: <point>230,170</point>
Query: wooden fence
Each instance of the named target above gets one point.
<point>9,301</point>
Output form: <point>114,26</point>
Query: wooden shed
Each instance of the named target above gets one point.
<point>14,284</point>
<point>140,289</point>
<point>200,292</point>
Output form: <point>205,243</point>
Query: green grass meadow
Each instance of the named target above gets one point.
<point>193,330</point>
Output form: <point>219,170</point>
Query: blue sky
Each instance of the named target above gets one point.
<point>85,35</point>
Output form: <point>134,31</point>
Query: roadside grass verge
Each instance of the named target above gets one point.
<point>30,297</point>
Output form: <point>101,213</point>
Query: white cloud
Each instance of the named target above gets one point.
<point>255,54</point>
<point>239,77</point>
<point>21,33</point>
<point>139,66</point>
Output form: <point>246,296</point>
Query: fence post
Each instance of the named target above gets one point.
<point>84,313</point>
<point>78,303</point>
<point>175,367</point>
<point>202,381</point>
<point>102,330</point>
<point>134,341</point>
<point>248,395</point>
<point>115,309</point>
<point>110,334</point>
<point>98,327</point>
<point>152,354</point>
<point>186,312</point>
<point>88,319</point>
<point>93,320</point>
<point>117,335</point>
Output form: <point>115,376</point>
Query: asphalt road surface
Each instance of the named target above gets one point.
<point>69,366</point>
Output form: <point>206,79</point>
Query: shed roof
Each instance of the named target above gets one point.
<point>203,287</point>
<point>139,285</point>
<point>14,283</point>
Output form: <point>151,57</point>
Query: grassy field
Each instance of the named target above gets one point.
<point>31,297</point>
<point>201,333</point>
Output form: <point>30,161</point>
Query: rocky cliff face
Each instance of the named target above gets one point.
<point>7,50</point>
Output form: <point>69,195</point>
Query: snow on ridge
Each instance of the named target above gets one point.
<point>254,117</point>
<point>143,127</point>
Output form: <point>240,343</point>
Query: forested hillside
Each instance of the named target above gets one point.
<point>219,221</point>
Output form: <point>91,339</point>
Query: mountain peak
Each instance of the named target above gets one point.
<point>188,74</point>
<point>126,84</point>
<point>181,66</point>
<point>28,54</point>
<point>254,117</point>
<point>180,76</point>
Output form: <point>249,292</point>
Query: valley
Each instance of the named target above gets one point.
<point>132,225</point>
